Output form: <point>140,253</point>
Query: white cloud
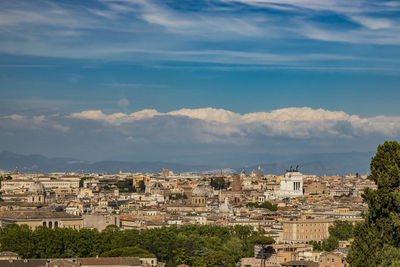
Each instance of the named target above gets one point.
<point>123,103</point>
<point>340,6</point>
<point>287,122</point>
<point>34,122</point>
<point>208,114</point>
<point>115,118</point>
<point>14,117</point>
<point>373,23</point>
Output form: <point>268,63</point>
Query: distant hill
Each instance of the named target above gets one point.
<point>42,164</point>
<point>319,164</point>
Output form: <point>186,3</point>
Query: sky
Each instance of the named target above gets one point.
<point>149,80</point>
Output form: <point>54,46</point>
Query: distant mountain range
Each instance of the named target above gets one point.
<point>42,164</point>
<point>319,164</point>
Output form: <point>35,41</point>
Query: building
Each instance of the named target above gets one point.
<point>291,185</point>
<point>34,219</point>
<point>332,259</point>
<point>276,255</point>
<point>48,183</point>
<point>200,195</point>
<point>305,230</point>
<point>236,183</point>
<point>24,263</point>
<point>8,255</point>
<point>300,264</point>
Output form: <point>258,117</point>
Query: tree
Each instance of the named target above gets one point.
<point>126,185</point>
<point>340,230</point>
<point>82,180</point>
<point>219,183</point>
<point>142,186</point>
<point>190,244</point>
<point>266,205</point>
<point>128,252</point>
<point>377,239</point>
<point>316,246</point>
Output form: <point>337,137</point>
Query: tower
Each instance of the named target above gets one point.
<point>236,183</point>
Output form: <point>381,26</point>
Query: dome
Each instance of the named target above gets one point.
<point>36,187</point>
<point>201,191</point>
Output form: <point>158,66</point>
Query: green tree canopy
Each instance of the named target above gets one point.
<point>265,205</point>
<point>377,238</point>
<point>128,252</point>
<point>219,183</point>
<point>194,245</point>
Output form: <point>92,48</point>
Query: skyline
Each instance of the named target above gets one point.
<point>116,79</point>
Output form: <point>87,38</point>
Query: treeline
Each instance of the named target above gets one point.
<point>193,245</point>
<point>339,231</point>
<point>125,186</point>
<point>266,205</point>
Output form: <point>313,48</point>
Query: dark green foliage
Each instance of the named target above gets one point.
<point>316,246</point>
<point>263,240</point>
<point>377,238</point>
<point>219,183</point>
<point>266,205</point>
<point>177,196</point>
<point>340,230</point>
<point>128,252</point>
<point>126,186</point>
<point>142,186</point>
<point>192,244</point>
<point>82,180</point>
<point>108,187</point>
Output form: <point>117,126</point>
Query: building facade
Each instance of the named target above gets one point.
<point>305,230</point>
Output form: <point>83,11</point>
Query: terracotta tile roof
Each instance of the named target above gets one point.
<point>23,263</point>
<point>109,261</point>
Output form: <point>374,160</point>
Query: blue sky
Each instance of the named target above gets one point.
<point>215,76</point>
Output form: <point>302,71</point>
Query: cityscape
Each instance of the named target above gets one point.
<point>199,133</point>
<point>292,209</point>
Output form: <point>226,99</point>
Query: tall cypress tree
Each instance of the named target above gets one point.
<point>377,238</point>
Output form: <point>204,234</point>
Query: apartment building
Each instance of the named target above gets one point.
<point>305,230</point>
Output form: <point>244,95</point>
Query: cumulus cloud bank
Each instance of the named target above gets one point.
<point>302,122</point>
<point>189,133</point>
